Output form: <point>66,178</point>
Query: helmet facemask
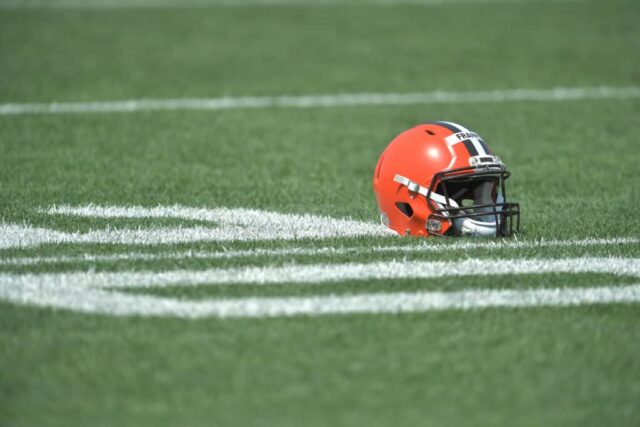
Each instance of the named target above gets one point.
<point>473,199</point>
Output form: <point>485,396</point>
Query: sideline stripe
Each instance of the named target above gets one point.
<point>93,292</point>
<point>425,247</point>
<point>314,101</point>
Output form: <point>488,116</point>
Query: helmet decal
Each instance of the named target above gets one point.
<point>474,144</point>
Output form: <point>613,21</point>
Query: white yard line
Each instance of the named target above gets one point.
<point>324,273</point>
<point>93,292</point>
<point>431,246</point>
<point>231,225</point>
<point>313,101</point>
<point>96,301</point>
<point>226,225</point>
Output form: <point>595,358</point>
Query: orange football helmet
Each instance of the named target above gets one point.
<point>440,178</point>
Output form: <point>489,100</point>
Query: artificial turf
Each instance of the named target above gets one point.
<point>575,173</point>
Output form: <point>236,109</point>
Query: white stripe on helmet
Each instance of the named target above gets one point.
<point>417,188</point>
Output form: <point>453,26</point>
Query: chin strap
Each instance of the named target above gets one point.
<point>414,187</point>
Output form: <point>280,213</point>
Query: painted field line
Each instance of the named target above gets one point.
<point>96,292</point>
<point>314,101</point>
<point>401,302</point>
<point>325,273</point>
<point>117,304</point>
<point>226,225</point>
<point>431,246</point>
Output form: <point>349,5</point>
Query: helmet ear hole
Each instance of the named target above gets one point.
<point>405,208</point>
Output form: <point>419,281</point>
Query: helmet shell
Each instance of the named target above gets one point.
<point>418,154</point>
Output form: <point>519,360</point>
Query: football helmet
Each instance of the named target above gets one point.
<point>440,178</point>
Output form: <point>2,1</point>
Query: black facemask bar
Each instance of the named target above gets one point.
<point>506,215</point>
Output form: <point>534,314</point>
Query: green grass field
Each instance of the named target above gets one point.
<point>574,165</point>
